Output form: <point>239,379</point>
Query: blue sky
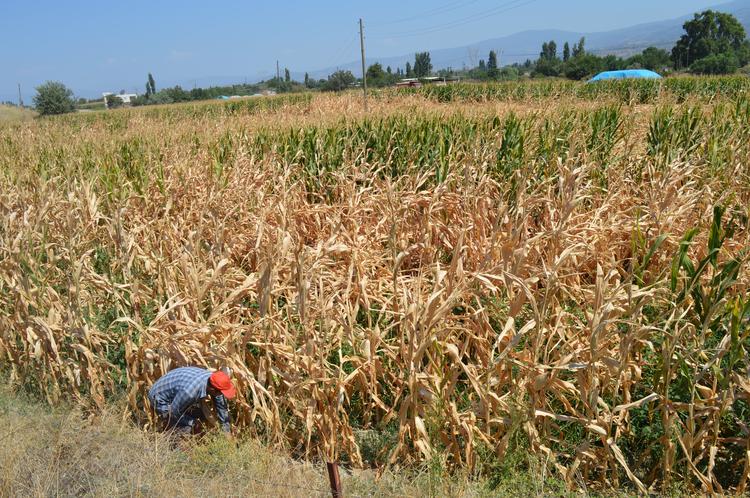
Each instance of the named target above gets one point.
<point>109,46</point>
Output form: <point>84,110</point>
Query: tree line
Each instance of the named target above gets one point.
<point>713,43</point>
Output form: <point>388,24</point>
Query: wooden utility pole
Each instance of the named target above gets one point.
<point>335,480</point>
<point>364,71</point>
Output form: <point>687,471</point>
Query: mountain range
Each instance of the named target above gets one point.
<point>527,44</point>
<point>517,47</point>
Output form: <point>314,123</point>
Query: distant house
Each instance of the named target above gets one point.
<point>427,80</point>
<point>409,83</point>
<point>124,97</point>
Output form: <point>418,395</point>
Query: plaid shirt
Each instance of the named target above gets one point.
<point>174,394</point>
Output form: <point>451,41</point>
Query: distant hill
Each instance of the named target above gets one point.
<point>513,48</point>
<point>527,44</point>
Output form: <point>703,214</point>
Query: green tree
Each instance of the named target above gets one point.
<point>655,59</point>
<point>716,64</point>
<point>708,34</point>
<point>377,77</point>
<point>176,94</point>
<point>479,72</point>
<point>287,75</point>
<point>611,63</point>
<point>448,72</point>
<point>151,84</point>
<point>422,64</point>
<point>547,67</point>
<point>201,94</point>
<point>509,73</point>
<point>566,52</point>
<point>548,63</point>
<point>409,73</point>
<point>140,100</point>
<point>112,101</point>
<point>161,97</point>
<point>53,98</point>
<point>579,48</point>
<point>582,66</point>
<point>340,80</point>
<point>492,65</point>
<point>549,50</point>
<point>375,72</point>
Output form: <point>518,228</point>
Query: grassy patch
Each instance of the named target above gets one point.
<point>12,114</point>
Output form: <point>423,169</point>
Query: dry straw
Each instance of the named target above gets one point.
<point>517,275</point>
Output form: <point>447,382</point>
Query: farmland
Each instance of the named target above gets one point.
<point>461,274</point>
<point>13,114</point>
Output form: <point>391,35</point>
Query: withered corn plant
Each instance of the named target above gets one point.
<point>633,91</point>
<point>418,283</point>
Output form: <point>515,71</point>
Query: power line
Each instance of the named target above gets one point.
<point>343,51</point>
<point>514,4</point>
<point>466,20</point>
<point>429,13</point>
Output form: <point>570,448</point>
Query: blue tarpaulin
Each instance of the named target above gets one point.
<point>625,73</point>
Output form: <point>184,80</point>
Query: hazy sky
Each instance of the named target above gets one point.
<point>109,46</point>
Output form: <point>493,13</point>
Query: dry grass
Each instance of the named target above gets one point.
<point>59,453</point>
<point>476,296</point>
<point>12,114</point>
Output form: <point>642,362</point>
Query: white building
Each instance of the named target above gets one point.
<point>124,97</point>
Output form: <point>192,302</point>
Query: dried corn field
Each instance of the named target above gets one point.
<point>457,281</point>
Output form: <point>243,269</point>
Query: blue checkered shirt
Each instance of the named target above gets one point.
<point>176,393</point>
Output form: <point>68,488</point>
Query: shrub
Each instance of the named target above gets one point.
<point>53,98</point>
<point>715,64</point>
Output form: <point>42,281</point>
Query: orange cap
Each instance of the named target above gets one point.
<point>221,381</point>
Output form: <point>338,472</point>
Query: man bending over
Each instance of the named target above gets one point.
<point>177,395</point>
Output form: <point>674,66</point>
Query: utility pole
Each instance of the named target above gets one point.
<point>20,100</point>
<point>364,72</point>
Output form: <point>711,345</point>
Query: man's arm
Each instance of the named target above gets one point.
<point>222,412</point>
